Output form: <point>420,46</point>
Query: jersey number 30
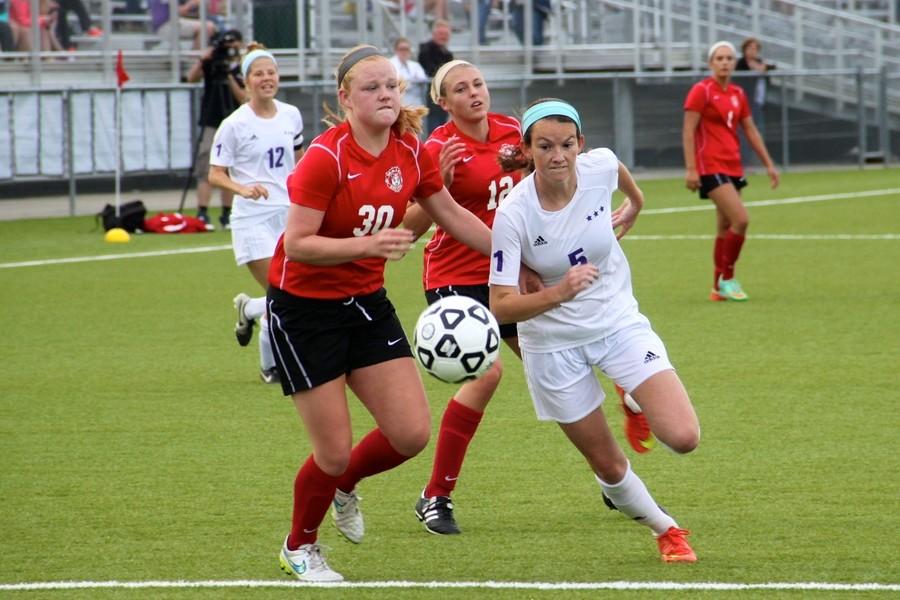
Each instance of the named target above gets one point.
<point>374,220</point>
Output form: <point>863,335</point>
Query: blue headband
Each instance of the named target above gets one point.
<point>550,108</point>
<point>251,56</point>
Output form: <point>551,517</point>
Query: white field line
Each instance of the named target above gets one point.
<point>494,585</point>
<point>776,236</point>
<point>78,259</point>
<point>777,202</point>
<point>648,211</point>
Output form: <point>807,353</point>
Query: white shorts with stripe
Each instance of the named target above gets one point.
<point>257,241</point>
<point>563,385</point>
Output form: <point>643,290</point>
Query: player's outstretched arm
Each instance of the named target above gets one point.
<point>457,221</point>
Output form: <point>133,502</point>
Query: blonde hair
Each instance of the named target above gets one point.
<point>717,45</point>
<point>410,117</point>
<point>437,82</point>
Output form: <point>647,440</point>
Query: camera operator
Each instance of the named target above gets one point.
<point>223,92</point>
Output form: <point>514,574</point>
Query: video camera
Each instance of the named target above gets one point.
<point>225,57</point>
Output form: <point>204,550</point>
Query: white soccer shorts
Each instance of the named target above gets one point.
<point>563,385</point>
<point>257,241</point>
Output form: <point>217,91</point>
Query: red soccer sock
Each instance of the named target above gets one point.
<point>457,429</point>
<point>732,250</point>
<point>373,454</point>
<point>718,260</point>
<point>313,492</point>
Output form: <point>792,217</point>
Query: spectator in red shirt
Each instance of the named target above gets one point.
<point>331,323</point>
<point>466,149</point>
<point>712,157</point>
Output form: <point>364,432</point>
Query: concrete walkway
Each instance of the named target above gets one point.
<point>41,207</point>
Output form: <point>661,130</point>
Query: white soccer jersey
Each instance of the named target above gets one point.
<point>258,150</point>
<point>551,242</point>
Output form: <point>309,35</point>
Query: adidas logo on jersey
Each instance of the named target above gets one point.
<point>650,357</point>
<point>540,241</point>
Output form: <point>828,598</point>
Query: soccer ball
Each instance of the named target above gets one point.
<point>456,339</point>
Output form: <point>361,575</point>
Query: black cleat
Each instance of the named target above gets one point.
<point>437,514</point>
<point>270,375</point>
<point>243,329</point>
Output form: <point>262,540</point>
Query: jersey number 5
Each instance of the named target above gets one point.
<point>505,185</point>
<point>374,220</point>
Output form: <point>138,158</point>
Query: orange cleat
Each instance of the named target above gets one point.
<point>715,296</point>
<point>637,430</point>
<point>673,547</point>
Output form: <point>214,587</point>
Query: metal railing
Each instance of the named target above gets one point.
<point>68,134</point>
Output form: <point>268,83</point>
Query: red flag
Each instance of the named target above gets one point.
<point>121,73</point>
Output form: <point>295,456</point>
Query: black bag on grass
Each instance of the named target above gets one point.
<point>131,216</point>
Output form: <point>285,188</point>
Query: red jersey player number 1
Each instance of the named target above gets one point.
<point>713,111</point>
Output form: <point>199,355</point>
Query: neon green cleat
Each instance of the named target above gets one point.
<point>731,290</point>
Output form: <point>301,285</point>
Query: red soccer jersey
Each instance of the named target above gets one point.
<point>360,194</point>
<point>479,185</point>
<point>716,145</point>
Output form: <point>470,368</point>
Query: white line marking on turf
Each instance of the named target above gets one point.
<point>776,202</point>
<point>518,585</point>
<point>776,236</point>
<point>647,211</point>
<point>78,259</point>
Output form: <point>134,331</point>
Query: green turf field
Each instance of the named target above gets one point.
<point>137,443</point>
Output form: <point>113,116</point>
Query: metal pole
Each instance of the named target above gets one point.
<point>528,26</point>
<point>301,40</point>
<point>695,35</point>
<point>861,117</point>
<point>70,148</point>
<point>883,132</point>
<point>667,36</point>
<point>636,33</point>
<point>107,34</point>
<point>204,41</point>
<point>35,43</point>
<point>785,126</point>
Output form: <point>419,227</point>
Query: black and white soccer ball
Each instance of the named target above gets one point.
<point>456,339</point>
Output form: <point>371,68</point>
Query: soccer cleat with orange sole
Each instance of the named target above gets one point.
<point>673,547</point>
<point>715,296</point>
<point>637,430</point>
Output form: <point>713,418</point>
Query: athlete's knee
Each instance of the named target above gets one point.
<point>333,462</point>
<point>412,439</point>
<point>682,440</point>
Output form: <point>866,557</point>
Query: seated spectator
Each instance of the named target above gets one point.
<point>20,22</point>
<point>187,27</point>
<point>84,20</point>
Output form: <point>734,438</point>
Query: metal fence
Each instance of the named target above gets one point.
<point>69,134</point>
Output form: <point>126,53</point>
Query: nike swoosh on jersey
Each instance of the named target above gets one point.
<point>353,175</point>
<point>468,158</point>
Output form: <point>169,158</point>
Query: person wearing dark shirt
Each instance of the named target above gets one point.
<point>432,55</point>
<point>223,92</point>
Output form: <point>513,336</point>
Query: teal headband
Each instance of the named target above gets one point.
<point>251,56</point>
<point>550,108</point>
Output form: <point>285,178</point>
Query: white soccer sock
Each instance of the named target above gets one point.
<point>631,497</point>
<point>266,358</point>
<point>255,308</point>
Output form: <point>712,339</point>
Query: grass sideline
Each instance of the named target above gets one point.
<point>136,442</point>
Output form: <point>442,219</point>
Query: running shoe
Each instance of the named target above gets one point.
<point>270,375</point>
<point>673,547</point>
<point>307,563</point>
<point>347,517</point>
<point>243,329</point>
<point>437,514</point>
<point>637,430</point>
<point>731,289</point>
<point>715,296</point>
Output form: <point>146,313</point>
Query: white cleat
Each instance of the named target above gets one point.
<point>347,517</point>
<point>307,563</point>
